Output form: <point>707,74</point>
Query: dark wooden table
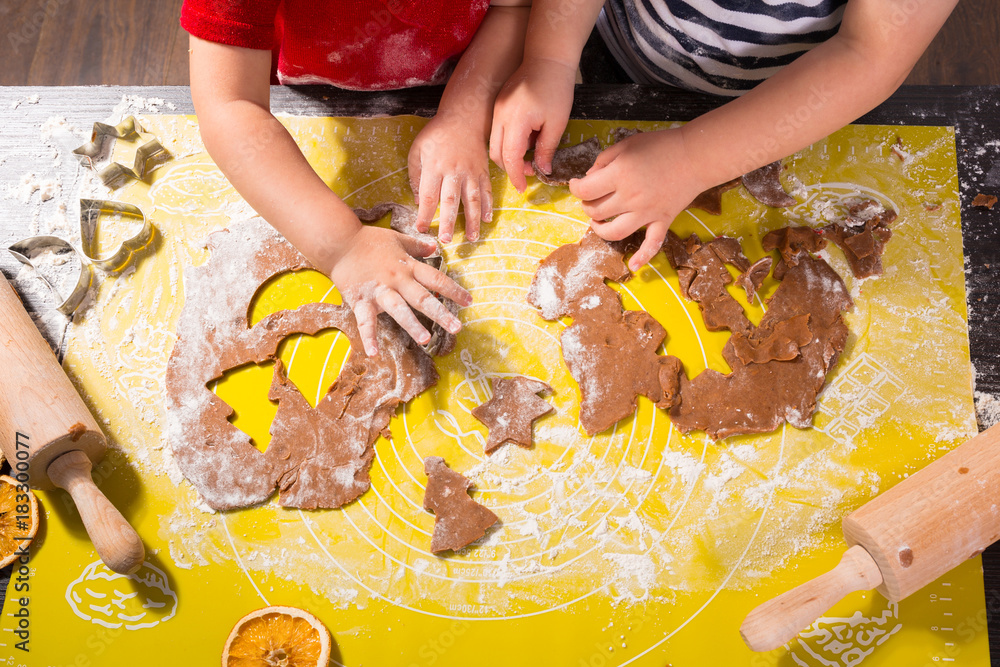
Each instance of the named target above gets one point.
<point>973,111</point>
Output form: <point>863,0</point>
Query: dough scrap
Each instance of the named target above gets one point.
<point>710,201</point>
<point>570,162</point>
<point>701,268</point>
<point>403,220</point>
<point>780,366</point>
<point>751,279</point>
<point>458,519</point>
<point>792,243</point>
<point>862,236</point>
<point>511,410</point>
<point>765,186</point>
<point>984,201</point>
<point>318,457</point>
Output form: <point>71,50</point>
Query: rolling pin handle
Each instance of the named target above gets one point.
<point>779,621</point>
<point>116,541</point>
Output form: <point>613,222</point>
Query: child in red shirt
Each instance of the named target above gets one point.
<point>236,47</point>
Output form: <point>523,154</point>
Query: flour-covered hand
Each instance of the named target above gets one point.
<point>532,108</point>
<point>379,272</point>
<point>446,166</point>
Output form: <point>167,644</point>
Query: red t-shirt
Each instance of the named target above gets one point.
<point>357,44</point>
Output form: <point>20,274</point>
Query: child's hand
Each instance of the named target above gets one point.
<point>533,105</point>
<point>446,165</point>
<point>379,272</point>
<point>643,181</point>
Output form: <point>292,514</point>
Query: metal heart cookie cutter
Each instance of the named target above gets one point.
<point>100,148</point>
<point>90,213</point>
<point>25,251</point>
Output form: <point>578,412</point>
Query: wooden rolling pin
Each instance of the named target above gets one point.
<point>900,541</point>
<point>48,433</point>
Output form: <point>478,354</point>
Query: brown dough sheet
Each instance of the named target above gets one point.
<point>458,519</point>
<point>570,162</point>
<point>765,186</point>
<point>318,457</point>
<point>511,411</point>
<point>610,352</point>
<point>571,279</point>
<point>862,236</point>
<point>779,367</point>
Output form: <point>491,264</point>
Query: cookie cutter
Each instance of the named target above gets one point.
<point>114,174</point>
<point>25,252</point>
<point>90,213</point>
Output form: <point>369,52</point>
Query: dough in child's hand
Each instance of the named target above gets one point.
<point>570,162</point>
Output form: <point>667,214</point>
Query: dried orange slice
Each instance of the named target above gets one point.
<point>18,519</point>
<point>277,637</point>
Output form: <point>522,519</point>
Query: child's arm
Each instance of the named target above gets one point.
<point>374,268</point>
<point>648,179</point>
<point>538,97</point>
<point>448,159</point>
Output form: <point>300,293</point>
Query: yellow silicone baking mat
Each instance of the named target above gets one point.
<point>638,546</point>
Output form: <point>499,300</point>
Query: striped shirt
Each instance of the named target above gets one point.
<point>723,47</point>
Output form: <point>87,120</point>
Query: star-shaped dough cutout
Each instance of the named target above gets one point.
<point>509,414</point>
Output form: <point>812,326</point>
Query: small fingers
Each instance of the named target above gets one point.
<point>597,183</point>
<point>417,247</point>
<point>450,197</point>
<point>440,283</point>
<point>413,168</point>
<point>617,229</point>
<point>366,314</point>
<point>427,198</point>
<point>393,304</point>
<point>496,141</point>
<point>655,234</point>
<point>472,205</point>
<point>602,208</point>
<point>515,145</point>
<point>546,144</point>
<point>426,303</point>
<point>486,187</point>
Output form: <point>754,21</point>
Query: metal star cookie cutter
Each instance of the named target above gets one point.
<point>100,148</point>
<point>90,213</point>
<point>25,252</point>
